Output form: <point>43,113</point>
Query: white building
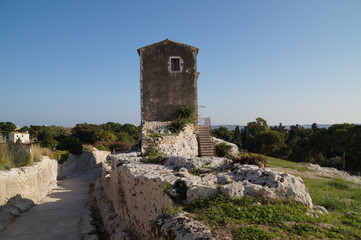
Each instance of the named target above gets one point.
<point>24,137</point>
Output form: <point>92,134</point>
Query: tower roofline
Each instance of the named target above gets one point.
<point>166,41</point>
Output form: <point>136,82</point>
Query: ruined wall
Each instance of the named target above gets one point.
<point>32,182</point>
<point>132,199</point>
<point>183,144</point>
<point>87,160</point>
<point>163,92</point>
<point>136,199</point>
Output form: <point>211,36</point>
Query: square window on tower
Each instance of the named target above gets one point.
<point>175,64</point>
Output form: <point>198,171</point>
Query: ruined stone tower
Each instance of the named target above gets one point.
<point>168,79</point>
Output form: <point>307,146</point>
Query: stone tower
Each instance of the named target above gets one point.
<point>168,79</point>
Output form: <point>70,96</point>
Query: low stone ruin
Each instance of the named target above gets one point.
<point>183,144</point>
<point>134,196</point>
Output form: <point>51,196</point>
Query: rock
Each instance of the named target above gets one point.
<point>233,189</point>
<point>334,172</point>
<point>271,185</point>
<point>196,162</point>
<point>20,203</point>
<point>12,209</point>
<point>320,209</point>
<point>179,227</point>
<point>201,192</point>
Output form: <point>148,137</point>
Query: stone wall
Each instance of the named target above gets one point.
<point>132,199</point>
<point>32,182</point>
<point>163,92</point>
<point>87,160</point>
<point>183,144</point>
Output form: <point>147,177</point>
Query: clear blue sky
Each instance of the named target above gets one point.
<point>64,62</point>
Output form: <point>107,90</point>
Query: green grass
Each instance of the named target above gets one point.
<point>252,233</point>
<point>335,194</point>
<point>282,220</point>
<point>276,162</point>
<point>288,220</point>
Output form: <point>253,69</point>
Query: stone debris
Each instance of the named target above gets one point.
<point>179,227</point>
<point>12,209</point>
<point>196,162</point>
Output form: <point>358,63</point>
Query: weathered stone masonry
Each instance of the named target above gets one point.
<point>163,90</point>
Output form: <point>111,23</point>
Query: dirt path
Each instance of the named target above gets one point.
<point>58,215</point>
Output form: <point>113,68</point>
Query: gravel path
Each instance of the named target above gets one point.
<point>58,215</point>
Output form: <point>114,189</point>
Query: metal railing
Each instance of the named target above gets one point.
<point>204,122</point>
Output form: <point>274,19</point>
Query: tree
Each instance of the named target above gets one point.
<point>72,144</point>
<point>269,142</point>
<point>251,132</point>
<point>222,133</point>
<point>280,128</point>
<point>131,130</point>
<point>6,127</point>
<point>85,132</point>
<point>125,137</point>
<point>237,137</point>
<point>101,135</point>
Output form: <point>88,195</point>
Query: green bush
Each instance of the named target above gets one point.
<point>60,155</point>
<point>72,144</point>
<point>101,147</point>
<point>185,115</point>
<point>223,150</point>
<point>153,154</point>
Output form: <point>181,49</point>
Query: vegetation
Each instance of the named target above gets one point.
<point>60,155</point>
<point>71,144</point>
<point>251,159</point>
<point>251,219</point>
<point>223,150</point>
<point>58,142</point>
<point>338,146</point>
<point>20,155</point>
<point>6,127</point>
<point>185,115</point>
<point>153,154</point>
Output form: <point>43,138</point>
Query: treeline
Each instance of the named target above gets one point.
<point>108,136</point>
<point>338,146</point>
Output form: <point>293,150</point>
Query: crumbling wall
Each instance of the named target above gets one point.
<point>87,160</point>
<point>32,182</point>
<point>183,144</point>
<point>132,198</point>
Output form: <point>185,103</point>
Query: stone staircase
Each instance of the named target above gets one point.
<point>205,141</point>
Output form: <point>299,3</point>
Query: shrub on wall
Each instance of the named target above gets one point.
<point>184,116</point>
